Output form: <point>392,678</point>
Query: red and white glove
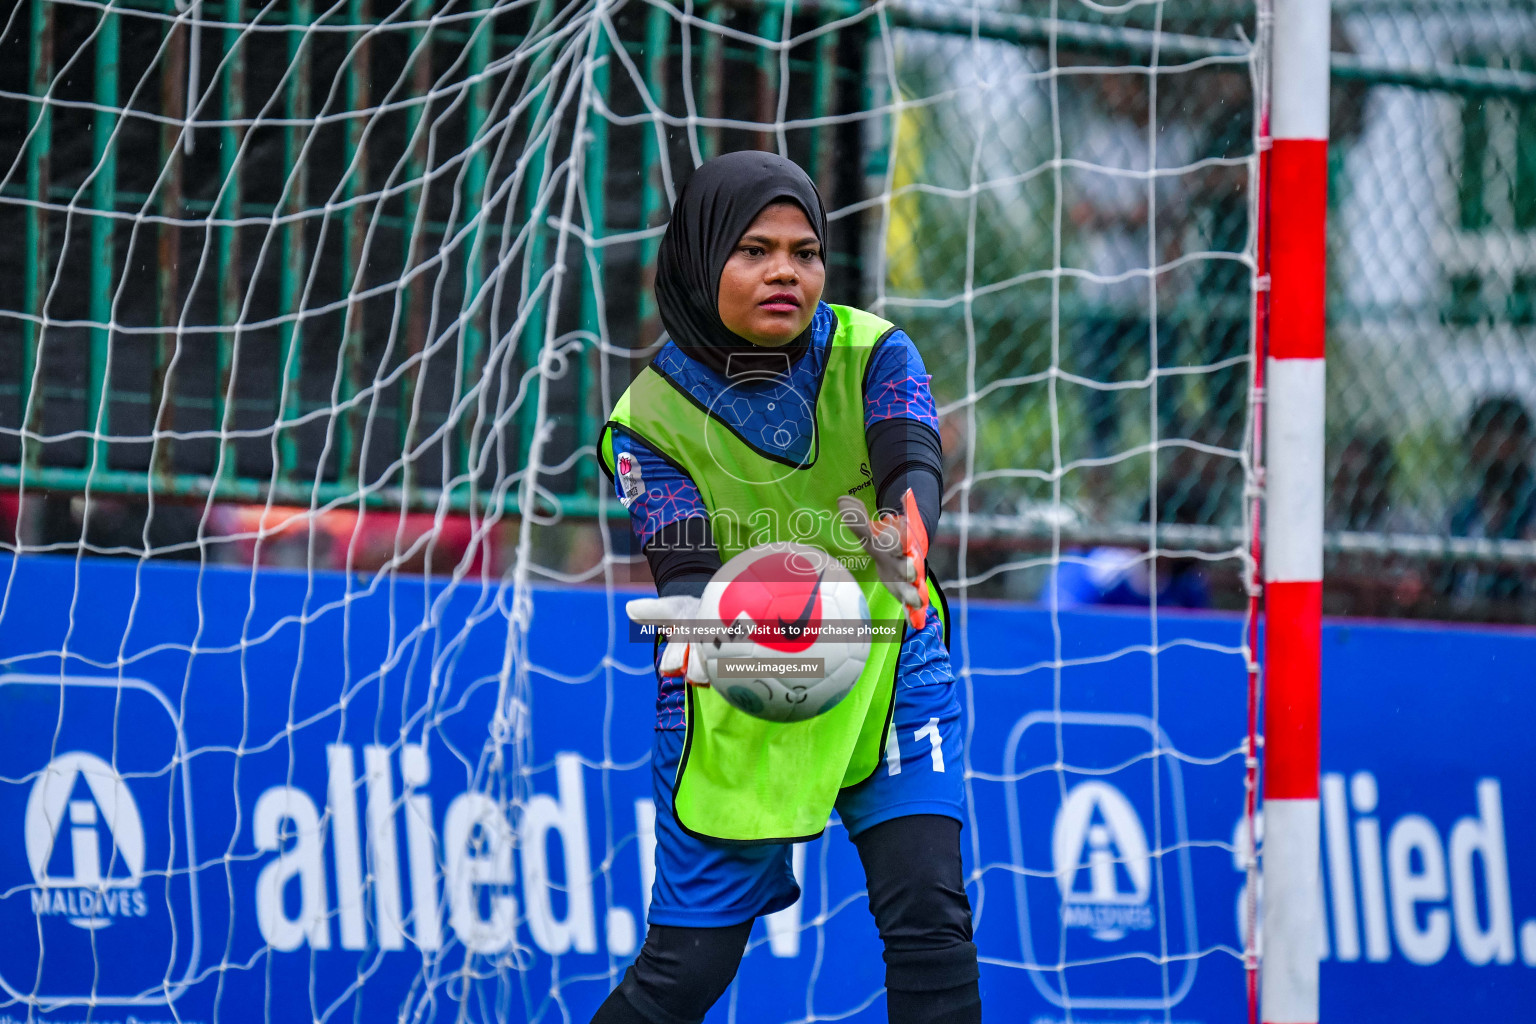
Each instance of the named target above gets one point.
<point>898,544</point>
<point>678,658</point>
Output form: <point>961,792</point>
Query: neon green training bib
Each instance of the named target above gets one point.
<point>741,778</point>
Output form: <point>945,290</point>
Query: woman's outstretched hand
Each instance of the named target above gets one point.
<point>678,658</point>
<point>899,546</point>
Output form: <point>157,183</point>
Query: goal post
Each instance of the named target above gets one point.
<point>1293,549</point>
<point>352,298</point>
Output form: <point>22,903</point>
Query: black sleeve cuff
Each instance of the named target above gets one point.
<point>683,557</point>
<point>907,453</point>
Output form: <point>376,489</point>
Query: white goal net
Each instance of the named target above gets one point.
<point>317,700</point>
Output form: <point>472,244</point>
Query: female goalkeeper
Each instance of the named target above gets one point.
<point>767,402</point>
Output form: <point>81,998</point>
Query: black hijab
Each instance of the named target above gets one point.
<point>713,211</point>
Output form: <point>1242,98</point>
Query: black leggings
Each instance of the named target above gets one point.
<point>917,895</point>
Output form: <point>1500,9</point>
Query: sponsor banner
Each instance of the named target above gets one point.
<point>284,796</point>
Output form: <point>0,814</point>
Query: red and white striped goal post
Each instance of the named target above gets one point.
<point>1293,532</point>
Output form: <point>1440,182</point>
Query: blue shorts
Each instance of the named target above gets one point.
<point>701,884</point>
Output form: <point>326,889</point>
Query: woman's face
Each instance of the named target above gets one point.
<point>773,279</point>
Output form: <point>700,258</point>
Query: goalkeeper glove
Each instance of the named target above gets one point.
<point>899,546</point>
<point>678,658</point>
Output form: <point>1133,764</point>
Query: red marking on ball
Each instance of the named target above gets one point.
<point>780,594</point>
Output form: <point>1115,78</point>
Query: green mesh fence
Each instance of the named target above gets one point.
<point>1432,357</point>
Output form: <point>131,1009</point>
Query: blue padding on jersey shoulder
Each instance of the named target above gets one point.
<point>896,383</point>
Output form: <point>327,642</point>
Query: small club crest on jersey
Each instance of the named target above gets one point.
<point>630,482</point>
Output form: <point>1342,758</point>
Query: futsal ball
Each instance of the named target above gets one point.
<point>780,606</point>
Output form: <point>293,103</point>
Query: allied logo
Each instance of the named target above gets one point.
<point>85,843</point>
<point>1100,844</point>
<point>98,874</point>
<point>1102,863</point>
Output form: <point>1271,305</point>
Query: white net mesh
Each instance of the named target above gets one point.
<point>328,303</point>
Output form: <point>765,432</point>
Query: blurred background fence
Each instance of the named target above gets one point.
<point>256,257</point>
